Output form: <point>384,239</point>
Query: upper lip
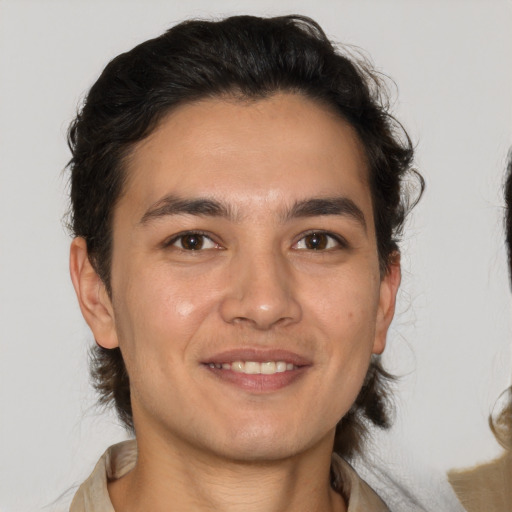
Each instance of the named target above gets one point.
<point>258,356</point>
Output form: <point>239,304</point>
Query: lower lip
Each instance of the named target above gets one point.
<point>259,383</point>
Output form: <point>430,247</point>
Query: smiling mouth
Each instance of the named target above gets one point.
<point>255,367</point>
<point>257,371</point>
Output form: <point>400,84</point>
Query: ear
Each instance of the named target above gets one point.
<point>92,295</point>
<point>387,300</point>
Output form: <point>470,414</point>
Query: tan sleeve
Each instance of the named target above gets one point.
<point>485,488</point>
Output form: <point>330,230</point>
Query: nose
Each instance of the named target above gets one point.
<point>261,293</point>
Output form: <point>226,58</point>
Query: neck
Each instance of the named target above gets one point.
<point>167,473</point>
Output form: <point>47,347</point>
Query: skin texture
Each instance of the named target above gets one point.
<point>258,283</point>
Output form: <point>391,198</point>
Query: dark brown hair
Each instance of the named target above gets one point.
<point>249,58</point>
<point>501,421</point>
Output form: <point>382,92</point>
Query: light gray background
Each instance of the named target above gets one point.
<point>452,335</point>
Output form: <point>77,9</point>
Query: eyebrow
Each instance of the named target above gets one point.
<point>315,207</point>
<point>173,205</point>
<point>327,206</point>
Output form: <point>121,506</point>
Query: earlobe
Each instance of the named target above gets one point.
<point>92,295</point>
<point>388,291</point>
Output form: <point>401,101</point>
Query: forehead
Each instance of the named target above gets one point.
<point>279,149</point>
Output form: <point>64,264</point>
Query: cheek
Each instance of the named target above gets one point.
<point>158,314</point>
<point>345,313</point>
<point>346,307</point>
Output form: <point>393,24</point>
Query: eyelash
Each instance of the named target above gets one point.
<point>339,240</point>
<point>199,234</point>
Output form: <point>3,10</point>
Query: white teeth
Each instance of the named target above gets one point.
<point>268,368</point>
<point>280,366</point>
<point>237,366</point>
<point>252,368</point>
<point>255,368</point>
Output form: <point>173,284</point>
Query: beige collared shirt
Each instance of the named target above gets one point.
<point>485,488</point>
<point>119,459</point>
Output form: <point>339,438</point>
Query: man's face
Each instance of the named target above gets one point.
<point>246,294</point>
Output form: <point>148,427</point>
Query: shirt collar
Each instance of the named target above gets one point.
<point>119,459</point>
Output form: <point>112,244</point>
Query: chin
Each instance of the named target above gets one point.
<point>260,450</point>
<point>264,443</point>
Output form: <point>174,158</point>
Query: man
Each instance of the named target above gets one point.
<point>486,487</point>
<point>237,196</point>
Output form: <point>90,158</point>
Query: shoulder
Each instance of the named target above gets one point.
<point>486,486</point>
<point>92,496</point>
<point>357,493</point>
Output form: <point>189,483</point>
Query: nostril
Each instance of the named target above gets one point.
<point>261,297</point>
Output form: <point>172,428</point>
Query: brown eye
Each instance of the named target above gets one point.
<point>316,241</point>
<point>194,242</point>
